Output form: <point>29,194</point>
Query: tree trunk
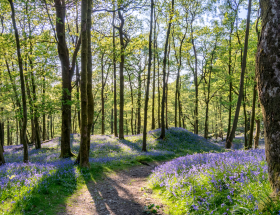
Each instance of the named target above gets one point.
<point>8,133</point>
<point>121,129</point>
<point>168,73</point>
<point>102,96</point>
<point>2,159</point>
<point>267,75</point>
<point>162,135</point>
<point>44,115</point>
<point>112,121</point>
<point>240,95</point>
<point>67,73</point>
<point>245,125</point>
<point>253,117</point>
<point>89,76</point>
<point>257,135</point>
<point>84,154</point>
<point>36,120</point>
<point>78,93</point>
<point>144,146</point>
<point>159,115</point>
<point>115,79</point>
<point>24,119</point>
<point>195,83</point>
<point>132,104</point>
<point>139,103</point>
<point>154,74</point>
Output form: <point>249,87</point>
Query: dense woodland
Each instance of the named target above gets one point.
<point>125,67</point>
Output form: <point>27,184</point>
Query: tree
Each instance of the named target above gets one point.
<point>267,76</point>
<point>240,95</point>
<point>144,146</point>
<point>162,135</point>
<point>67,74</point>
<point>84,149</point>
<point>24,107</point>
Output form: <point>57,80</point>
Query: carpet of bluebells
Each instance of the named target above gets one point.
<point>20,182</point>
<point>214,183</point>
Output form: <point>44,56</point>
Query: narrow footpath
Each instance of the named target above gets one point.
<point>122,193</point>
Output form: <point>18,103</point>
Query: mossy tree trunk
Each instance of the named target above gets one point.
<point>268,84</point>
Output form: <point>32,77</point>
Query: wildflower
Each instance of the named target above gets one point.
<point>195,207</point>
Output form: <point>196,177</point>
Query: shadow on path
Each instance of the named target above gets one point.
<point>117,194</point>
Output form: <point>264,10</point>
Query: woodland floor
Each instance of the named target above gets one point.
<point>122,193</point>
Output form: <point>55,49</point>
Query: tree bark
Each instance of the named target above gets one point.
<point>268,76</point>
<point>84,155</point>
<point>240,96</point>
<point>162,135</point>
<point>89,76</point>
<point>144,146</point>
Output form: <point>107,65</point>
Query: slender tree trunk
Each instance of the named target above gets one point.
<point>24,119</point>
<point>44,115</point>
<point>51,128</point>
<point>144,146</point>
<point>132,104</point>
<point>126,123</point>
<point>8,133</point>
<point>159,115</point>
<point>84,154</point>
<point>2,159</point>
<point>253,116</point>
<point>115,79</point>
<point>121,129</point>
<point>78,93</point>
<point>139,103</point>
<point>168,73</point>
<point>230,85</point>
<point>162,135</point>
<point>257,135</point>
<point>267,75</point>
<point>36,117</point>
<point>240,96</point>
<point>102,96</point>
<point>154,73</point>
<point>195,84</point>
<point>112,121</point>
<point>245,125</point>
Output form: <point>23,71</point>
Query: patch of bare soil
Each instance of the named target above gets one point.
<point>123,193</point>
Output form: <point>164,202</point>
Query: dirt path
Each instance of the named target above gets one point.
<point>117,194</point>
